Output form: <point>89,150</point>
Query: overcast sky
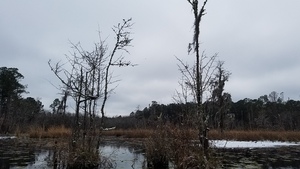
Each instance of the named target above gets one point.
<point>258,40</point>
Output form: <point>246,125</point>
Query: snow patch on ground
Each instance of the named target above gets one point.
<point>250,144</point>
<point>7,137</point>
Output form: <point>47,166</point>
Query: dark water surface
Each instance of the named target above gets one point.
<point>266,158</point>
<point>129,154</point>
<point>125,154</point>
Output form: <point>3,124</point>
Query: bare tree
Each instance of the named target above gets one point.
<point>218,95</point>
<point>82,78</point>
<point>203,71</point>
<point>198,78</point>
<point>123,40</point>
<point>202,74</point>
<point>86,77</point>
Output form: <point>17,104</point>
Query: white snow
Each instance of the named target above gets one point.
<point>7,137</point>
<point>250,144</point>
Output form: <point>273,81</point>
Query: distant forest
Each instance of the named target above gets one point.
<point>270,112</point>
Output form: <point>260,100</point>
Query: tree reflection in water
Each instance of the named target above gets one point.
<point>15,153</point>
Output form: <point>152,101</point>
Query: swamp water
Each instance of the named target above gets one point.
<point>37,154</point>
<point>129,154</point>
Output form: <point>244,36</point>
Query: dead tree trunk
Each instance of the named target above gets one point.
<point>199,71</point>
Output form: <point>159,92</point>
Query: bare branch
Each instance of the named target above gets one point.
<point>123,40</point>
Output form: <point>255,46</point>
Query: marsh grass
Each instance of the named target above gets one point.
<point>131,133</point>
<point>157,147</point>
<point>255,135</point>
<point>240,135</point>
<point>83,158</point>
<point>52,132</point>
<point>63,157</point>
<point>164,145</point>
<point>175,145</point>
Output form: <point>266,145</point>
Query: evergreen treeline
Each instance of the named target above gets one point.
<point>19,113</point>
<point>262,113</point>
<point>267,112</point>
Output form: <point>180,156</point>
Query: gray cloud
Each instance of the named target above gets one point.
<point>259,42</point>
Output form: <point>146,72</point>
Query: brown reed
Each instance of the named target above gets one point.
<point>240,135</point>
<point>52,132</point>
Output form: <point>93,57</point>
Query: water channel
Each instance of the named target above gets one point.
<point>129,154</point>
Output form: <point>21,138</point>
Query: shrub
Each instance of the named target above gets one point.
<point>178,146</point>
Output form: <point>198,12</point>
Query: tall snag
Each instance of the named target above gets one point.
<point>202,74</point>
<point>202,77</point>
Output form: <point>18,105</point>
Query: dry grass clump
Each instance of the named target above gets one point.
<point>291,135</point>
<point>83,158</point>
<point>58,132</point>
<point>36,132</point>
<point>157,149</point>
<point>178,146</point>
<point>52,132</point>
<point>132,133</point>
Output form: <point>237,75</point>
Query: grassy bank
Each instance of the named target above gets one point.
<point>131,133</point>
<point>241,135</point>
<point>52,132</point>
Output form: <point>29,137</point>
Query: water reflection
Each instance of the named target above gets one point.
<point>17,154</point>
<point>266,158</point>
<point>123,157</point>
<point>12,155</point>
<point>41,161</point>
<point>124,154</point>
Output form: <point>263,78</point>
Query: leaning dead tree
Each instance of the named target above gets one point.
<point>87,78</point>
